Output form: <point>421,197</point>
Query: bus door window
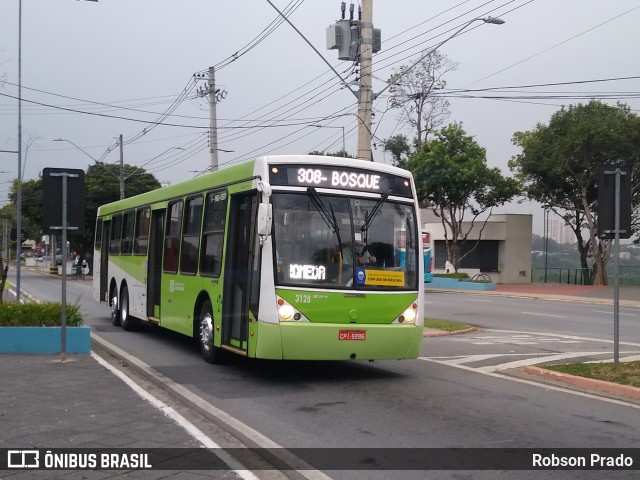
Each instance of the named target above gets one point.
<point>215,214</point>
<point>191,235</point>
<point>141,241</point>
<point>116,230</point>
<point>172,237</point>
<point>126,244</point>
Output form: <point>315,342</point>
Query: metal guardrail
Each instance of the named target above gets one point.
<point>573,276</point>
<point>629,275</point>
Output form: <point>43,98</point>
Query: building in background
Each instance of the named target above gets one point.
<point>560,232</point>
<point>503,253</point>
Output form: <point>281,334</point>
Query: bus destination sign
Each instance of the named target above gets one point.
<point>340,178</point>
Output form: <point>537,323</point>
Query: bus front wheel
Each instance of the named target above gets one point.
<point>209,351</point>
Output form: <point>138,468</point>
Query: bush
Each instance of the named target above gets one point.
<point>459,275</point>
<point>13,314</point>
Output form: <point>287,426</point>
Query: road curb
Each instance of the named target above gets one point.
<point>539,296</point>
<point>589,383</point>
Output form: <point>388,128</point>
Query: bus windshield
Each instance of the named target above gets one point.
<point>331,241</point>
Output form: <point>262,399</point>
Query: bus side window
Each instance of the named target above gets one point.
<point>215,217</point>
<point>172,237</point>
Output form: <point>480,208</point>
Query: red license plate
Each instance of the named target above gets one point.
<point>352,335</point>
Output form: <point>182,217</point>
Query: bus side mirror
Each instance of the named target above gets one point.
<point>264,220</point>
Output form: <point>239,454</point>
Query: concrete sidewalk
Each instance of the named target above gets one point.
<point>629,296</point>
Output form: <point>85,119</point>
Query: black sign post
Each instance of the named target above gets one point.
<point>621,196</point>
<point>50,194</point>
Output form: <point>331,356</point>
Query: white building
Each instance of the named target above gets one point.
<point>560,232</point>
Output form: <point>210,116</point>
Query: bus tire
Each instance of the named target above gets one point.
<point>113,304</point>
<point>126,320</point>
<point>209,351</point>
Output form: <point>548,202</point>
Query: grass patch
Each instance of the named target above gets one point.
<point>48,314</point>
<point>627,373</point>
<point>445,325</point>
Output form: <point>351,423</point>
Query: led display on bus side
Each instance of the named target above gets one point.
<point>340,178</point>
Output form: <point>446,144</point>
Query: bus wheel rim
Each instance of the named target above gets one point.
<point>114,307</point>
<point>206,332</point>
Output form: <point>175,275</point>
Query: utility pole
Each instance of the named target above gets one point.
<point>215,96</point>
<point>357,41</point>
<point>366,93</point>
<point>213,119</point>
<point>121,174</point>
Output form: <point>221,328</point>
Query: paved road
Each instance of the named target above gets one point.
<point>407,404</point>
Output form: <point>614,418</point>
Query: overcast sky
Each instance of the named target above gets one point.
<point>94,70</point>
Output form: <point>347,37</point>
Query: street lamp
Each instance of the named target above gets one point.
<point>490,20</point>
<point>330,126</point>
<point>120,177</point>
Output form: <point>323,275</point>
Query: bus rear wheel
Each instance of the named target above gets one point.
<point>209,351</point>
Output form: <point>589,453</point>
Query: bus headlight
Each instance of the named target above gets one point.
<point>286,312</point>
<point>409,315</point>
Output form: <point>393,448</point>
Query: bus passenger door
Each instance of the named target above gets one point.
<point>104,261</point>
<point>241,273</point>
<point>154,263</point>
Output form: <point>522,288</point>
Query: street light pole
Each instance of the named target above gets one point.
<point>491,20</point>
<point>19,186</point>
<point>119,177</point>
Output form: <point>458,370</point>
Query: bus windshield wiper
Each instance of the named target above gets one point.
<point>328,217</point>
<point>374,211</point>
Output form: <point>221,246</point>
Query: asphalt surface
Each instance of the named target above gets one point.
<point>93,401</point>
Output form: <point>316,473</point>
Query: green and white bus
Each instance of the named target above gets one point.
<point>282,257</point>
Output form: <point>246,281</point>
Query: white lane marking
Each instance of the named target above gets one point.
<point>536,384</point>
<point>620,313</point>
<point>457,360</point>
<point>569,337</point>
<point>534,361</point>
<point>180,420</point>
<point>544,314</point>
<point>511,340</point>
<point>232,422</point>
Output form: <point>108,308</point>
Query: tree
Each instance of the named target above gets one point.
<point>453,179</point>
<point>413,93</point>
<point>101,186</point>
<point>560,164</point>
<point>32,213</point>
<point>339,153</point>
<point>398,146</point>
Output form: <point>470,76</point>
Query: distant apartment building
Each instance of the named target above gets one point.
<point>560,232</point>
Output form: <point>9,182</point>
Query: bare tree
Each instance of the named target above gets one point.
<point>413,93</point>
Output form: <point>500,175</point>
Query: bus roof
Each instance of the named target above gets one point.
<point>237,173</point>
